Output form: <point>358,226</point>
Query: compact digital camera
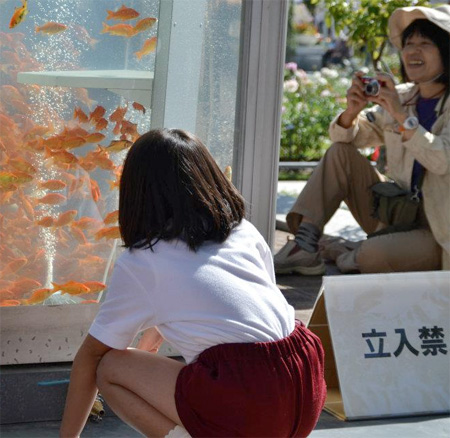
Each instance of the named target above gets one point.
<point>371,85</point>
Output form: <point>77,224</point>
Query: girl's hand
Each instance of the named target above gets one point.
<point>388,98</point>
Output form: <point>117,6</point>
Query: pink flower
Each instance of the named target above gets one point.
<point>291,66</point>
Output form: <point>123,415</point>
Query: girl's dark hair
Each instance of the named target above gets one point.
<point>439,37</point>
<point>171,188</point>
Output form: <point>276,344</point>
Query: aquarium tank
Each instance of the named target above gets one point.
<point>79,83</point>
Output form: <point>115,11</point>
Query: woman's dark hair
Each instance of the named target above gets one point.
<point>439,37</point>
<point>170,188</point>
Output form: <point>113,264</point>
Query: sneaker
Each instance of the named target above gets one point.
<point>293,259</point>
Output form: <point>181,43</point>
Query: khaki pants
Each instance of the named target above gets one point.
<point>344,174</point>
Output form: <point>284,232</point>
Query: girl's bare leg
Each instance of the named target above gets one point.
<point>140,388</point>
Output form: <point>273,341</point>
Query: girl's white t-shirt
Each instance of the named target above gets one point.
<point>222,293</point>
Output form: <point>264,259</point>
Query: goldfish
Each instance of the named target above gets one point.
<point>94,137</point>
<point>86,222</point>
<point>148,47</point>
<point>78,235</point>
<point>81,34</point>
<point>95,286</point>
<point>13,266</point>
<point>52,199</point>
<point>61,156</point>
<point>97,114</point>
<point>19,14</point>
<point>108,233</point>
<point>22,177</point>
<point>71,287</point>
<point>39,296</point>
<point>23,285</point>
<point>144,24</point>
<point>137,106</point>
<point>53,184</point>
<point>101,124</point>
<point>22,165</point>
<point>6,294</point>
<point>73,142</point>
<point>79,114</point>
<point>46,221</point>
<point>111,218</point>
<point>125,30</point>
<point>9,303</point>
<point>129,128</point>
<point>82,95</point>
<point>51,28</point>
<point>122,14</point>
<point>65,218</point>
<point>118,114</point>
<point>118,145</point>
<point>7,178</point>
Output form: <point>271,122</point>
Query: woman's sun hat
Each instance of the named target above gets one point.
<point>401,18</point>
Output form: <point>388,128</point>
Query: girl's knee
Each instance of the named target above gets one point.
<point>107,367</point>
<point>373,258</point>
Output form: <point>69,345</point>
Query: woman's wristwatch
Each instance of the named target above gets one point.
<point>410,123</point>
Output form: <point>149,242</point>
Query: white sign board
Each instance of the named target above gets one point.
<point>391,341</point>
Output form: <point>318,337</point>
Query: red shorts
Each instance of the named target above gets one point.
<point>264,389</point>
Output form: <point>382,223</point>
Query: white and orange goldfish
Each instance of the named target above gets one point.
<point>148,47</point>
<point>19,14</point>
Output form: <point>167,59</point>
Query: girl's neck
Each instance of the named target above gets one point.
<point>431,90</point>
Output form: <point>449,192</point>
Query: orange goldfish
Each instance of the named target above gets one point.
<point>71,287</point>
<point>63,157</point>
<point>9,303</point>
<point>13,267</point>
<point>111,218</point>
<point>22,165</point>
<point>23,285</point>
<point>7,178</point>
<point>95,286</point>
<point>108,233</point>
<point>137,106</point>
<point>144,24</point>
<point>46,221</point>
<point>51,28</point>
<point>65,218</point>
<point>78,235</point>
<point>97,114</point>
<point>118,145</point>
<point>52,199</point>
<point>6,294</point>
<point>39,295</point>
<point>79,114</point>
<point>94,137</point>
<point>122,14</point>
<point>86,222</point>
<point>118,114</point>
<point>73,142</point>
<point>125,30</point>
<point>22,177</point>
<point>101,124</point>
<point>148,47</point>
<point>53,184</point>
<point>19,14</point>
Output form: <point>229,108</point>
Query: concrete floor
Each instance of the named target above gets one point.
<point>301,292</point>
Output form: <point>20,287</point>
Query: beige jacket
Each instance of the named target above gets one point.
<point>432,150</point>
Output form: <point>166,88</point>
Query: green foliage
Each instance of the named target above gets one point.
<point>310,103</point>
<point>365,21</point>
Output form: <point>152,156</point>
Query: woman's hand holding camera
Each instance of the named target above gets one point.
<point>388,98</point>
<point>356,101</point>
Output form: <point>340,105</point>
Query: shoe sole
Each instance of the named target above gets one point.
<point>303,270</point>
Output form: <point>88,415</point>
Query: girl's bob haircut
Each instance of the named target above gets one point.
<point>440,38</point>
<point>171,188</point>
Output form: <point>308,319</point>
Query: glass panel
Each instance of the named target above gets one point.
<point>76,84</point>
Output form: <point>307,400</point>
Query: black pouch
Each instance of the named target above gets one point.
<point>395,207</point>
